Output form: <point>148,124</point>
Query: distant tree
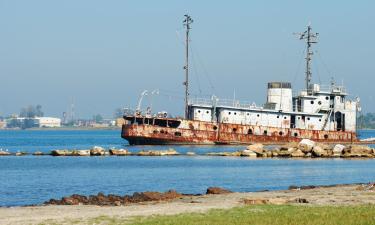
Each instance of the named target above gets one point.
<point>98,118</point>
<point>31,111</point>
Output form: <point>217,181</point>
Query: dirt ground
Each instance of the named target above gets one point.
<point>338,195</point>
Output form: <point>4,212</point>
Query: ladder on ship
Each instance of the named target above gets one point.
<point>327,118</point>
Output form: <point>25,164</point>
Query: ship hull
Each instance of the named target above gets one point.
<point>208,133</point>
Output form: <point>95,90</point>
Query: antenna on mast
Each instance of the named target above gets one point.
<point>187,21</point>
<point>310,38</point>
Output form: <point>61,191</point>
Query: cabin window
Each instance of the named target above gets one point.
<point>235,113</point>
<point>281,133</point>
<point>162,131</point>
<point>207,112</point>
<point>199,111</point>
<point>265,132</point>
<point>327,98</point>
<point>299,117</point>
<point>295,134</point>
<point>215,127</point>
<point>320,120</point>
<point>178,134</point>
<point>229,113</point>
<point>284,117</point>
<point>155,132</point>
<point>312,102</point>
<point>257,115</point>
<point>319,103</point>
<point>308,118</point>
<point>234,130</point>
<point>278,116</point>
<point>248,114</point>
<point>326,136</point>
<point>250,131</point>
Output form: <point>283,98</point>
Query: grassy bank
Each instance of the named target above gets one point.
<point>260,214</point>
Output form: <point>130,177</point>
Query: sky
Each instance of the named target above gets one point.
<point>100,55</point>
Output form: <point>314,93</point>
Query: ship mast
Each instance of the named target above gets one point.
<point>310,38</point>
<point>187,21</point>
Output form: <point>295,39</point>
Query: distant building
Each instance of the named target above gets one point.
<point>47,122</point>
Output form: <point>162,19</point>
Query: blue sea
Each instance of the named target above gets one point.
<point>34,179</point>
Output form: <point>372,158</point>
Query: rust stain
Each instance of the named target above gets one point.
<point>200,132</point>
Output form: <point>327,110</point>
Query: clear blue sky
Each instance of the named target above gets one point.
<point>104,53</point>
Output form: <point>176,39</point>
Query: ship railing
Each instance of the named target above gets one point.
<point>223,102</point>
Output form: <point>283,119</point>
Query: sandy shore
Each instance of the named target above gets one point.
<point>338,195</point>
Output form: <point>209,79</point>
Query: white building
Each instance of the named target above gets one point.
<point>47,122</point>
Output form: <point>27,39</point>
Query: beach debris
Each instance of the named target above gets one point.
<point>97,151</point>
<point>119,152</point>
<point>217,191</point>
<point>115,200</point>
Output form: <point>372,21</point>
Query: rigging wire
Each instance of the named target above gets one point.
<point>195,69</point>
<point>316,67</point>
<point>299,65</point>
<point>324,64</point>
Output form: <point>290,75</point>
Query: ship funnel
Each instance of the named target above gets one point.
<point>279,96</point>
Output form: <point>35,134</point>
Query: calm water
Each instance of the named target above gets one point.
<point>33,180</point>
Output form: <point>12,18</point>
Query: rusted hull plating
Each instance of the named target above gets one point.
<point>208,133</point>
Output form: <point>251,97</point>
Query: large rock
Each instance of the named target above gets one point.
<point>119,152</point>
<point>217,190</point>
<point>4,153</point>
<point>61,152</point>
<point>249,153</point>
<point>97,151</point>
<point>318,151</point>
<point>338,150</point>
<point>289,145</point>
<point>298,153</point>
<point>358,151</point>
<point>257,148</point>
<point>306,145</point>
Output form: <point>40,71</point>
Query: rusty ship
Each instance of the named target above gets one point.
<point>320,113</point>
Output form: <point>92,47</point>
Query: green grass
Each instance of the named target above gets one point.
<point>271,214</point>
<point>256,214</point>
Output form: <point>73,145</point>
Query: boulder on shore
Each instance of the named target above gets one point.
<point>338,150</point>
<point>61,153</point>
<point>257,148</point>
<point>4,153</point>
<point>217,190</point>
<point>306,145</point>
<point>38,153</point>
<point>248,153</point>
<point>97,151</point>
<point>81,153</point>
<point>318,151</point>
<point>168,152</point>
<point>297,153</point>
<point>119,152</point>
<point>358,151</point>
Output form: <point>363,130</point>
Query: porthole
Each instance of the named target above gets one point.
<point>155,132</point>
<point>178,134</point>
<point>215,127</point>
<point>308,118</point>
<point>327,98</point>
<point>248,114</point>
<point>284,117</point>
<point>235,113</point>
<point>320,120</point>
<point>162,131</point>
<point>281,133</point>
<point>250,131</point>
<point>299,117</point>
<point>257,115</point>
<point>312,102</point>
<point>319,103</point>
<point>278,116</point>
<point>229,113</point>
<point>326,136</point>
<point>295,134</point>
<point>207,112</point>
<point>234,130</point>
<point>199,111</point>
<point>265,132</point>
